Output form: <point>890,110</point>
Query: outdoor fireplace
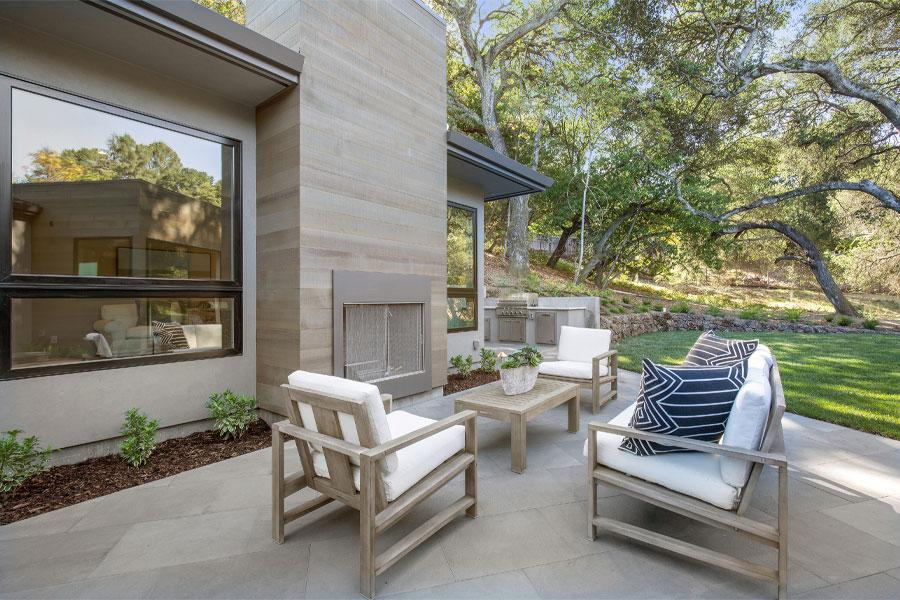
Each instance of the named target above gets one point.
<point>382,325</point>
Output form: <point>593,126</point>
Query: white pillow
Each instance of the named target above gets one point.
<point>747,420</point>
<point>582,344</point>
<point>125,313</point>
<point>349,390</point>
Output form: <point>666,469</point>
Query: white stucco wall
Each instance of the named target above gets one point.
<point>467,194</point>
<point>68,410</point>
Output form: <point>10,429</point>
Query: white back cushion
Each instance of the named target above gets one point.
<point>582,344</point>
<point>346,389</point>
<point>747,421</point>
<point>125,313</point>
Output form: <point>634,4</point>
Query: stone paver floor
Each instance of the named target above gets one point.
<point>206,533</point>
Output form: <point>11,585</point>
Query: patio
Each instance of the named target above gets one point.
<point>207,534</point>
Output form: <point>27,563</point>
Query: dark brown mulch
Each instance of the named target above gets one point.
<point>458,383</point>
<point>70,484</point>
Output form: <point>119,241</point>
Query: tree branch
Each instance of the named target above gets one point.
<point>537,21</point>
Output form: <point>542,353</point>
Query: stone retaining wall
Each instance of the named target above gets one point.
<point>631,325</point>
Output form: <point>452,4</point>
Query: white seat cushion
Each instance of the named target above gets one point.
<point>416,461</point>
<point>749,413</point>
<point>139,331</point>
<point>582,344</point>
<point>695,474</point>
<point>346,389</point>
<point>569,368</point>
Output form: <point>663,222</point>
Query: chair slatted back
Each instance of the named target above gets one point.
<point>772,436</point>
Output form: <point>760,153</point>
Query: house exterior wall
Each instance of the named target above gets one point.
<point>352,172</point>
<point>73,409</point>
<point>467,194</point>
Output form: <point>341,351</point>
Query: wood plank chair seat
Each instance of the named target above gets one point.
<point>771,452</point>
<point>347,452</point>
<point>585,358</point>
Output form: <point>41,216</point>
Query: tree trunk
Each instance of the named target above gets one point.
<point>564,236</point>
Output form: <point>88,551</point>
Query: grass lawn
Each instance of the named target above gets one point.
<point>849,379</point>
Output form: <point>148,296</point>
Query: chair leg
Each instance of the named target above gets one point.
<point>595,397</point>
<point>472,470</point>
<point>277,485</point>
<point>592,485</point>
<point>782,533</point>
<point>367,530</point>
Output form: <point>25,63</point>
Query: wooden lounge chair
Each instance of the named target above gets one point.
<point>714,491</point>
<point>380,463</point>
<point>584,357</point>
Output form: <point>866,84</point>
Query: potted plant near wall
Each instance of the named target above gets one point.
<point>519,370</point>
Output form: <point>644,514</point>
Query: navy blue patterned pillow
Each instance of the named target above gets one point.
<point>692,402</point>
<point>710,349</point>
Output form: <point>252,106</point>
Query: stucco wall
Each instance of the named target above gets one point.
<point>354,175</point>
<point>67,410</point>
<point>467,194</point>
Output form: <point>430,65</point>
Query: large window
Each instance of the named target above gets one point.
<point>462,267</point>
<point>119,237</point>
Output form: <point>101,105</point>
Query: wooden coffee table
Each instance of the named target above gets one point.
<point>490,401</point>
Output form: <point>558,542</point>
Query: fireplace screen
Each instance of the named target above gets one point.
<point>383,341</point>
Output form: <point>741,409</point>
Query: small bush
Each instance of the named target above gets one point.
<point>844,321</point>
<point>20,460</point>
<point>755,313</point>
<point>680,307</point>
<point>829,318</point>
<point>488,360</point>
<point>140,437</point>
<point>641,309</point>
<point>234,414</point>
<point>462,364</point>
<point>646,302</point>
<point>714,311</point>
<point>870,322</point>
<point>626,300</point>
<point>793,314</point>
<point>658,306</point>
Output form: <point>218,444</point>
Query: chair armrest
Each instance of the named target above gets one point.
<point>612,355</point>
<point>388,401</point>
<point>767,458</point>
<point>313,437</point>
<point>379,452</point>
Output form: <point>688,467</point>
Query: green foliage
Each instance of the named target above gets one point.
<point>463,364</point>
<point>139,431</point>
<point>680,307</point>
<point>755,313</point>
<point>626,300</point>
<point>20,460</point>
<point>527,356</point>
<point>233,413</point>
<point>793,315</point>
<point>713,311</point>
<point>232,9</point>
<point>829,318</point>
<point>658,306</point>
<point>488,360</point>
<point>870,322</point>
<point>844,321</point>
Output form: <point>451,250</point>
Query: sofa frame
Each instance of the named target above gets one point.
<point>771,453</point>
<point>377,515</point>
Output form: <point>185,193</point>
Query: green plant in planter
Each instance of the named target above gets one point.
<point>140,437</point>
<point>463,365</point>
<point>680,307</point>
<point>793,314</point>
<point>527,356</point>
<point>488,360</point>
<point>20,460</point>
<point>234,413</point>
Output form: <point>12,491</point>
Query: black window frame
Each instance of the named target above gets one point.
<point>470,294</point>
<point>21,285</point>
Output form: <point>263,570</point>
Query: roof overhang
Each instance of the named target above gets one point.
<point>499,176</point>
<point>177,38</point>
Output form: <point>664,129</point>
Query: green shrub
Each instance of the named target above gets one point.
<point>140,433</point>
<point>641,309</point>
<point>626,300</point>
<point>488,360</point>
<point>20,460</point>
<point>646,302</point>
<point>714,311</point>
<point>234,414</point>
<point>527,356</point>
<point>793,314</point>
<point>870,322</point>
<point>752,312</point>
<point>658,306</point>
<point>844,321</point>
<point>680,307</point>
<point>462,364</point>
<point>829,318</point>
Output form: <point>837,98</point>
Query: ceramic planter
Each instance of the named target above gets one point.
<point>518,380</point>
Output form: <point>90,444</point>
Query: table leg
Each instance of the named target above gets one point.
<point>517,426</point>
<point>574,414</point>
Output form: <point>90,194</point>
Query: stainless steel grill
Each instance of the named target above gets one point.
<point>512,317</point>
<point>512,309</point>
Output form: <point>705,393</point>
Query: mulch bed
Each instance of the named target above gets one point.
<point>458,383</point>
<point>65,485</point>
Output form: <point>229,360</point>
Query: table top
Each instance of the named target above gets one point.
<point>546,393</point>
